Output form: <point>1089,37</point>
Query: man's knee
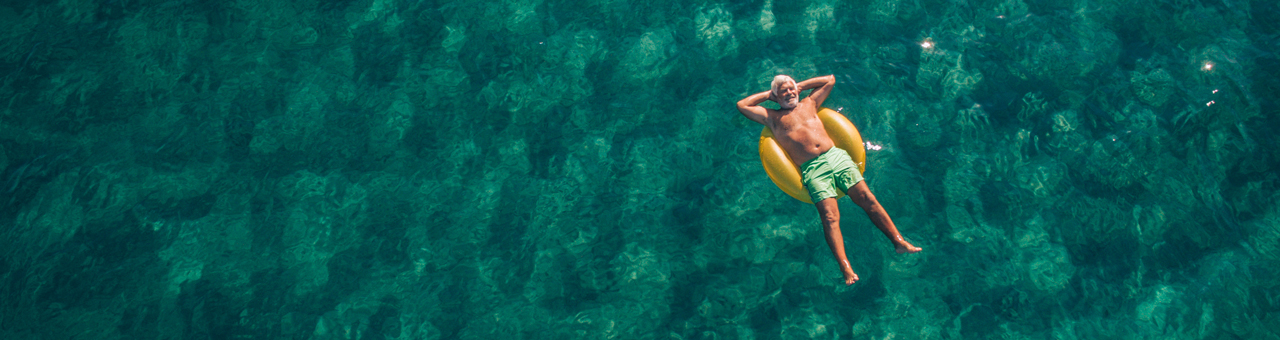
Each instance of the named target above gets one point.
<point>829,211</point>
<point>831,217</point>
<point>861,195</point>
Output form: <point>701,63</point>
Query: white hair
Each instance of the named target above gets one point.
<point>778,81</point>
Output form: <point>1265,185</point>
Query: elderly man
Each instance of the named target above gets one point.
<point>824,168</point>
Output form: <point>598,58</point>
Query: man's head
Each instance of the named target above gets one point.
<point>785,92</point>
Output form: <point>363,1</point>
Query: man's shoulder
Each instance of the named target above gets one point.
<point>809,106</point>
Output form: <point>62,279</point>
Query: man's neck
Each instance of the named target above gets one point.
<point>782,108</point>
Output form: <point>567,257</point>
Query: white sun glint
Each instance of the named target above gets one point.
<point>1208,66</point>
<point>927,43</point>
<point>872,147</point>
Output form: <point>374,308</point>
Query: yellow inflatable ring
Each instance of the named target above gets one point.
<point>785,174</point>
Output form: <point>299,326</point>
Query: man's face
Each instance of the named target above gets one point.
<point>787,96</point>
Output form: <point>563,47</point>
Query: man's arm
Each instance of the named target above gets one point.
<point>750,107</point>
<point>823,85</point>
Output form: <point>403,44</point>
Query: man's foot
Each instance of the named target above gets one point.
<point>904,247</point>
<point>849,277</point>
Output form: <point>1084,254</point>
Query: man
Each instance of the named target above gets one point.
<point>824,168</point>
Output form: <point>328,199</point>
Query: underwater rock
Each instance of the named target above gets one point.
<point>1066,137</point>
<point>751,196</point>
<point>649,173</point>
<point>1132,155</point>
<point>1012,9</point>
<point>1047,59</point>
<point>1033,108</point>
<point>15,44</point>
<point>818,17</point>
<point>759,76</point>
<point>1156,308</point>
<point>1151,223</point>
<point>1094,220</point>
<point>715,29</point>
<point>960,82</point>
<point>298,127</point>
<point>390,126</point>
<point>618,319</point>
<point>893,12</point>
<point>321,222</point>
<point>725,303</point>
<point>1152,87</point>
<point>50,219</point>
<point>1145,137</point>
<point>1098,43</point>
<point>1115,167</point>
<point>1195,24</point>
<point>643,276</point>
<point>651,56</point>
<point>767,20</point>
<point>965,228</point>
<point>762,243</point>
<point>575,50</point>
<point>1265,241</point>
<point>147,43</point>
<point>1042,177</point>
<point>455,37</point>
<point>755,28</point>
<point>959,182</point>
<point>1225,287</point>
<point>522,18</point>
<point>546,283</point>
<point>934,66</point>
<point>530,98</point>
<point>1050,268</point>
<point>973,124</point>
<point>924,131</point>
<point>806,323</point>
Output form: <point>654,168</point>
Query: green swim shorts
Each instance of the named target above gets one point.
<point>829,174</point>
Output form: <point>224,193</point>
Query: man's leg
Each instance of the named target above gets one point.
<point>829,211</point>
<point>861,195</point>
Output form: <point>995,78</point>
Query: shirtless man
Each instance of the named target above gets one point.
<point>824,168</point>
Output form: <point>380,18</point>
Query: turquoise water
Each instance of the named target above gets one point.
<point>1087,169</point>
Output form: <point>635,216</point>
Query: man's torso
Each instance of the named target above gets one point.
<point>800,132</point>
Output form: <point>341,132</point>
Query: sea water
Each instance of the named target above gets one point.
<point>386,169</point>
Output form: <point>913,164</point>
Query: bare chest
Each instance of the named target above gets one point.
<point>794,121</point>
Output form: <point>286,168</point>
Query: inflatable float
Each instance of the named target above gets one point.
<point>786,175</point>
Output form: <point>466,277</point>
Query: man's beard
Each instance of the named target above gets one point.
<point>789,104</point>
